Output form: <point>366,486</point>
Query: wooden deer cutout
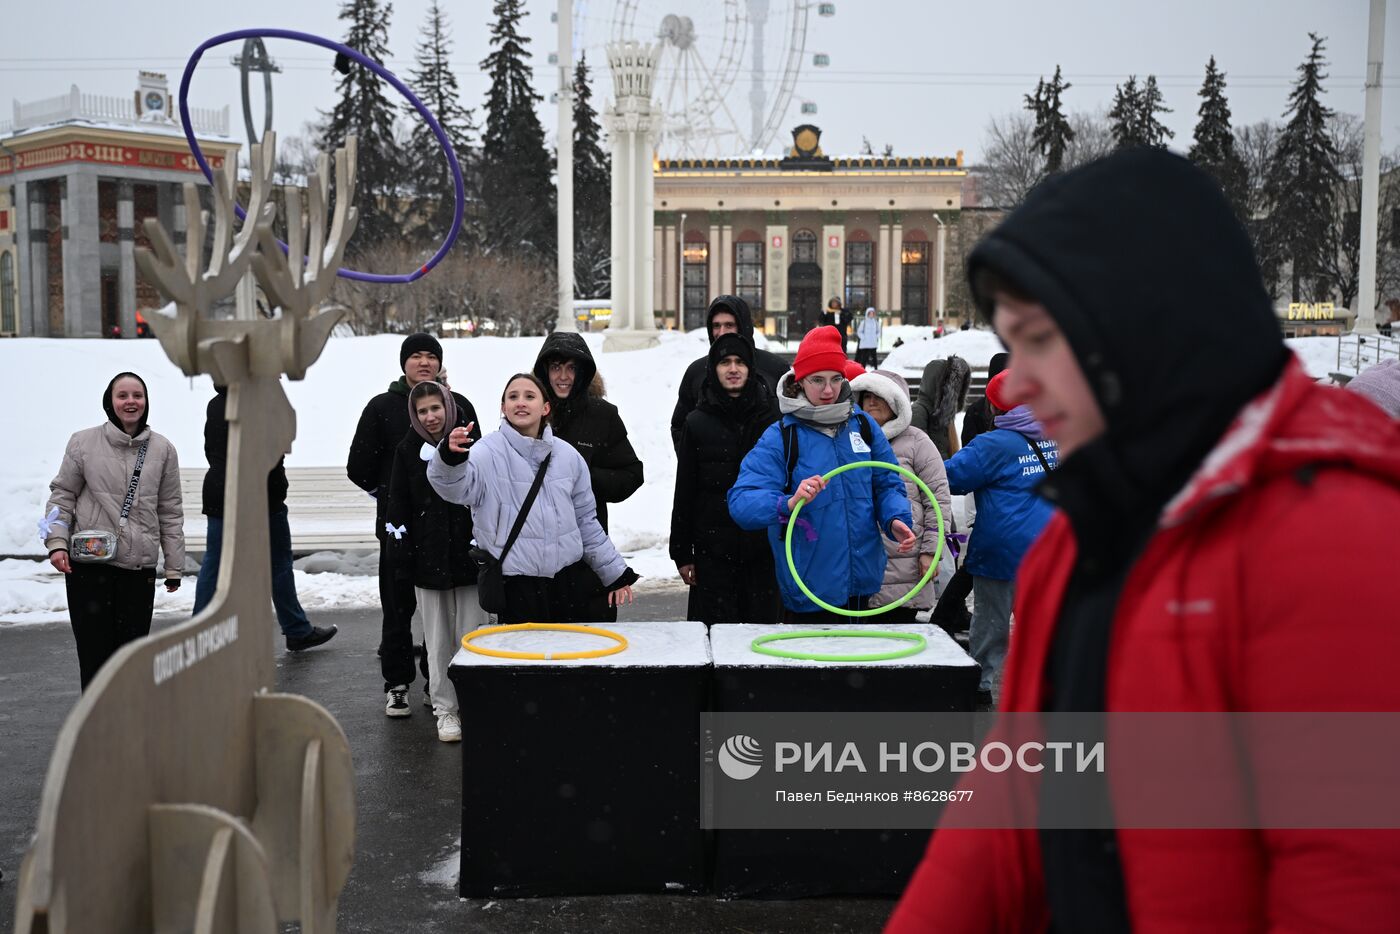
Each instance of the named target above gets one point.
<point>182,795</point>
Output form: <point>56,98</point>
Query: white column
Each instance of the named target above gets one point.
<point>668,269</point>
<point>833,259</point>
<point>1370,171</point>
<point>632,123</point>
<point>726,259</point>
<point>882,269</point>
<point>564,195</point>
<point>895,297</point>
<point>126,270</point>
<point>941,257</point>
<point>658,285</point>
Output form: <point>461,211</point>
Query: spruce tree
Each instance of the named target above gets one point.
<point>1053,134</point>
<point>365,111</point>
<point>592,195</point>
<point>1301,188</point>
<point>1154,132</point>
<point>1213,148</point>
<point>1123,116</point>
<point>429,178</point>
<point>517,193</point>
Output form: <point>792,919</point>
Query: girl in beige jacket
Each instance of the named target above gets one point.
<point>110,603</point>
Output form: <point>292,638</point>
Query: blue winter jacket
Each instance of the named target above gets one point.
<point>836,545</point>
<point>1001,470</point>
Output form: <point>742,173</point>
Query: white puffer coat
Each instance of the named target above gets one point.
<point>91,486</point>
<point>917,452</point>
<point>562,526</point>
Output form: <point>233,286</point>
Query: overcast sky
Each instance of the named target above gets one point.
<point>919,75</point>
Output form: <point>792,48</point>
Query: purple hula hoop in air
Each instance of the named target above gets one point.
<point>459,194</point>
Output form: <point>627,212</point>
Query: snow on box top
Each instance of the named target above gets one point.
<point>649,645</point>
<point>732,645</point>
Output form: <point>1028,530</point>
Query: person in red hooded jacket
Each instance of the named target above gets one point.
<point>1197,467</point>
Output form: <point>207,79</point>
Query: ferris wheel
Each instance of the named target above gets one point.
<point>728,68</point>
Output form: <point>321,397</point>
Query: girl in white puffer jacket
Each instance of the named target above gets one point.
<point>884,396</point>
<point>562,556</point>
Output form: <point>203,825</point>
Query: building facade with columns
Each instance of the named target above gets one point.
<point>78,174</point>
<point>789,234</point>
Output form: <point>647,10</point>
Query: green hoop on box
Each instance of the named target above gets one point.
<point>928,575</point>
<point>917,644</point>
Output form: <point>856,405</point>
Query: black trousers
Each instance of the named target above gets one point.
<point>951,611</point>
<point>108,607</point>
<point>826,617</point>
<point>568,597</point>
<point>398,601</point>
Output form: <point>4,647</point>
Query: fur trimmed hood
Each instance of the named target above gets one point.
<point>891,387</point>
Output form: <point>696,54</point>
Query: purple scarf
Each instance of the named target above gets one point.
<point>1020,419</point>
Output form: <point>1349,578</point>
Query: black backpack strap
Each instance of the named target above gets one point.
<point>790,451</point>
<point>525,507</point>
<point>1036,448</point>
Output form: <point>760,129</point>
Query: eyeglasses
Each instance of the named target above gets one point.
<point>820,383</point>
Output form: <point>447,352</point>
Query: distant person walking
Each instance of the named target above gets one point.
<point>114,507</point>
<point>868,339</point>
<point>297,630</point>
<point>835,316</point>
<point>552,569</point>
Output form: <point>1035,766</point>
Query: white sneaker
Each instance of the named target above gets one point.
<point>449,728</point>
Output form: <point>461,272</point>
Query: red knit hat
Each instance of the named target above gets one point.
<point>822,349</point>
<point>852,370</point>
<point>996,392</point>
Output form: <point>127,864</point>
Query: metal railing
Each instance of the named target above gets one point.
<point>1355,352</point>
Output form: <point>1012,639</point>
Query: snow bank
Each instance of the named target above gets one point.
<point>974,346</point>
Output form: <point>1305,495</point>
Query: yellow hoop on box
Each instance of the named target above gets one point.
<point>545,656</point>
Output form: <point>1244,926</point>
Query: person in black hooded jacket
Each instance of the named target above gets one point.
<point>727,314</point>
<point>730,571</point>
<point>977,417</point>
<point>581,416</point>
<point>370,465</point>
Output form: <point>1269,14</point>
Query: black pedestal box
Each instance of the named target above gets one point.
<point>583,777</point>
<point>801,863</point>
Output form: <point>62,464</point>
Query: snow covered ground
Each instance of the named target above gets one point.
<point>54,388</point>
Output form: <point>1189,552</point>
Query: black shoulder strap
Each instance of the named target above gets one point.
<point>790,451</point>
<point>135,480</point>
<point>525,507</point>
<point>865,434</point>
<point>1036,448</point>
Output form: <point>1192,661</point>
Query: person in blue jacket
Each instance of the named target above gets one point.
<point>1002,469</point>
<point>836,546</point>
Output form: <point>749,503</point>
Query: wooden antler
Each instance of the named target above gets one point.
<point>194,291</point>
<point>300,284</point>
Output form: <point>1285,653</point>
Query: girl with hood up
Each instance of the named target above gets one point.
<point>884,395</point>
<point>552,570</point>
<point>427,540</point>
<point>836,551</point>
<point>942,392</point>
<point>110,600</point>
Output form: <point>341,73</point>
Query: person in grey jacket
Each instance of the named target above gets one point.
<point>110,602</point>
<point>550,570</point>
<point>884,395</point>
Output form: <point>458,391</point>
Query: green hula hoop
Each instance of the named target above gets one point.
<point>928,575</point>
<point>919,643</point>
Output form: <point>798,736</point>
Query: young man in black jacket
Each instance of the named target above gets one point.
<point>730,571</point>
<point>296,628</point>
<point>581,416</point>
<point>727,314</point>
<point>383,424</point>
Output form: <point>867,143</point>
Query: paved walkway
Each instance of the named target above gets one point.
<point>408,790</point>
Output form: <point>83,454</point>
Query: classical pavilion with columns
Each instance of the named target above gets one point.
<point>789,234</point>
<point>78,174</point>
